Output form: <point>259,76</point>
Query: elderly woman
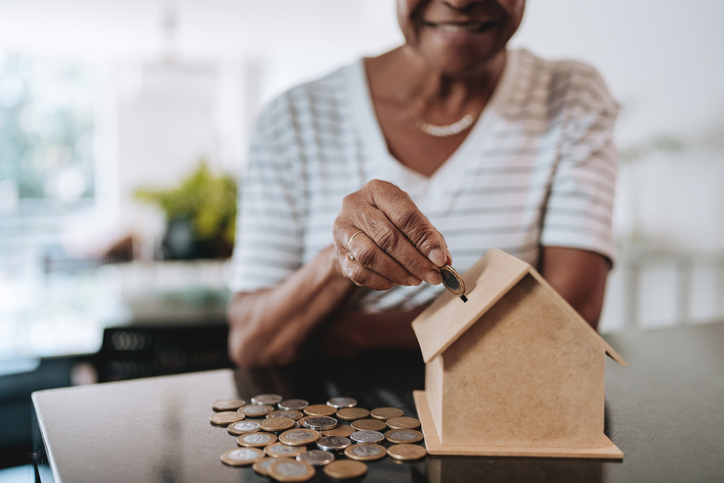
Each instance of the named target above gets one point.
<point>362,184</point>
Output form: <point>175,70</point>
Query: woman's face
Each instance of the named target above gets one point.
<point>459,37</point>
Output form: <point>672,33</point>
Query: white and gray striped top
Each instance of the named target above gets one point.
<point>537,169</point>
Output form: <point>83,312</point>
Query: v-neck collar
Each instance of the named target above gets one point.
<point>374,141</point>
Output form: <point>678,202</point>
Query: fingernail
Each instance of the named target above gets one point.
<point>414,281</point>
<point>433,277</point>
<point>437,257</point>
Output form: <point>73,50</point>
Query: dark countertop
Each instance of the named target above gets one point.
<point>665,412</point>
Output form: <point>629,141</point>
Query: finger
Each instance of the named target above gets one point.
<point>404,214</point>
<point>367,252</point>
<point>363,277</point>
<point>390,239</point>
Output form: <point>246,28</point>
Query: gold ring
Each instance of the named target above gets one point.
<point>349,242</point>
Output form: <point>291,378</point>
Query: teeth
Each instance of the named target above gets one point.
<point>448,27</point>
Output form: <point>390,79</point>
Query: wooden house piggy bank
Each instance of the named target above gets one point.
<point>514,371</point>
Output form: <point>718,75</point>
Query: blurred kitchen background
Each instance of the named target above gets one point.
<point>123,131</point>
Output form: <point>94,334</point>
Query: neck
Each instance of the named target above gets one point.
<point>425,88</point>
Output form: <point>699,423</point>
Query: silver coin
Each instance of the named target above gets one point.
<point>367,437</point>
<point>291,469</point>
<point>255,410</point>
<point>302,435</point>
<point>267,462</point>
<point>366,450</point>
<point>342,402</point>
<point>283,449</point>
<point>285,413</point>
<point>333,443</point>
<point>243,454</point>
<point>256,438</point>
<point>270,399</point>
<point>295,404</point>
<point>316,457</point>
<point>404,435</point>
<point>320,423</point>
<point>245,426</point>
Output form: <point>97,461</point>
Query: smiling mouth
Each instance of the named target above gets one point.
<point>468,27</point>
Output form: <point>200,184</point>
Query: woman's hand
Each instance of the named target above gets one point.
<point>395,244</point>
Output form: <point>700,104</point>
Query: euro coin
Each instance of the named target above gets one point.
<point>256,440</point>
<point>228,404</point>
<point>279,450</point>
<point>345,469</point>
<point>270,399</point>
<point>285,413</point>
<point>291,470</point>
<point>262,466</point>
<point>299,437</point>
<point>452,281</point>
<point>342,402</point>
<point>406,452</point>
<point>255,410</point>
<point>365,452</point>
<point>333,443</point>
<point>386,413</point>
<point>319,410</point>
<point>316,457</point>
<point>399,436</point>
<point>276,424</point>
<point>225,418</point>
<point>367,437</point>
<point>341,430</point>
<point>352,414</point>
<point>295,404</point>
<point>242,456</point>
<point>320,423</point>
<point>369,425</point>
<point>403,423</point>
<point>243,427</point>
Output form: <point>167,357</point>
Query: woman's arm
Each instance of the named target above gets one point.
<point>579,276</point>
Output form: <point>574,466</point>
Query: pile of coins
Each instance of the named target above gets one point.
<point>287,439</point>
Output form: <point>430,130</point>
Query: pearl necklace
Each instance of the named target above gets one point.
<point>444,131</point>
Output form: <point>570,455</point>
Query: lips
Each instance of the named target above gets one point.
<point>461,27</point>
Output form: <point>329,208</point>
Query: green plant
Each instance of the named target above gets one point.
<point>206,200</point>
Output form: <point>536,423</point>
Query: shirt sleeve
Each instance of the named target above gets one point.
<point>269,245</point>
<point>580,205</point>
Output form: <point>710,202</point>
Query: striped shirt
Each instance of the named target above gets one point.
<point>537,169</point>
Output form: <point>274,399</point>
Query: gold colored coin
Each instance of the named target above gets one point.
<point>255,410</point>
<point>365,452</point>
<point>319,410</point>
<point>276,424</point>
<point>350,414</point>
<point>386,413</point>
<point>228,404</point>
<point>225,418</point>
<point>256,440</point>
<point>400,436</point>
<point>291,470</point>
<point>406,452</point>
<point>299,437</point>
<point>339,431</point>
<point>242,456</point>
<point>243,427</point>
<point>279,450</point>
<point>262,466</point>
<point>345,469</point>
<point>403,423</point>
<point>369,425</point>
<point>285,413</point>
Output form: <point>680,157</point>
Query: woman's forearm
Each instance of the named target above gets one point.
<point>268,327</point>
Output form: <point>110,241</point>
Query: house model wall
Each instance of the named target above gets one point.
<point>514,371</point>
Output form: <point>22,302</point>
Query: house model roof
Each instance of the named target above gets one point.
<point>443,322</point>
